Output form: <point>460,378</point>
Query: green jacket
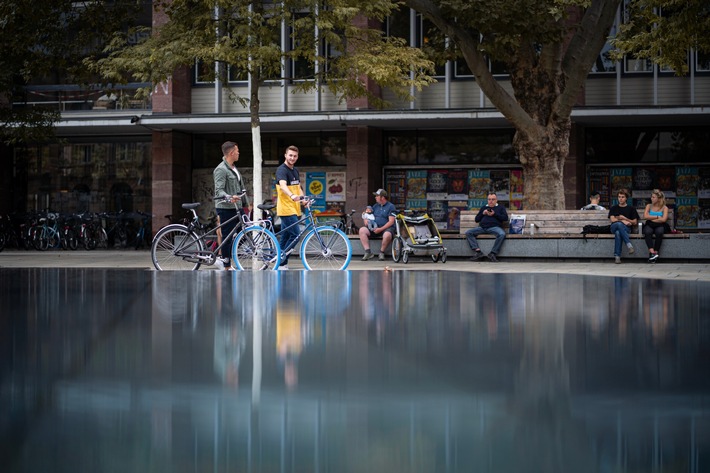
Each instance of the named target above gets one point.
<point>227,183</point>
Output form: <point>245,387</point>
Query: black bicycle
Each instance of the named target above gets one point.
<point>187,247</point>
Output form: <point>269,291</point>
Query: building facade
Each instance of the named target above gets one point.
<point>636,126</point>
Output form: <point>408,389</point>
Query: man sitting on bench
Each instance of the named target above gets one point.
<point>490,219</point>
<point>385,214</point>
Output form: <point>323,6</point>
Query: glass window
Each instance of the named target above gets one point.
<point>453,147</point>
<point>647,145</point>
<point>702,62</point>
<point>603,63</point>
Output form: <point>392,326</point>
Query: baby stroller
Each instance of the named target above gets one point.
<point>416,233</point>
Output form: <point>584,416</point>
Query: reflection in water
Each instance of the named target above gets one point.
<point>372,371</point>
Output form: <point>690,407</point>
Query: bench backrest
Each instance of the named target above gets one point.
<point>548,221</point>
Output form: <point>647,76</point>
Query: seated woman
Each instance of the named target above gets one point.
<point>656,215</point>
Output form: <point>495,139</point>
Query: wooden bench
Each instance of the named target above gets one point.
<point>557,224</point>
<point>558,235</point>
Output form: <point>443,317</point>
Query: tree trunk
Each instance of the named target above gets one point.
<point>543,158</point>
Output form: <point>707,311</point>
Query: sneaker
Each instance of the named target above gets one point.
<point>476,256</point>
<point>631,248</point>
<point>381,257</point>
<point>368,255</point>
<point>283,268</point>
<point>653,258</point>
<point>492,258</point>
<point>219,263</point>
<point>617,259</point>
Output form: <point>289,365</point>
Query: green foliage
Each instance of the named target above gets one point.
<point>663,31</point>
<point>44,41</point>
<point>247,37</point>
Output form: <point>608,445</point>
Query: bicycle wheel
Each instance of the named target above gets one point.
<point>397,247</point>
<point>101,238</point>
<point>256,248</point>
<point>334,253</point>
<point>88,237</point>
<point>175,248</point>
<point>70,239</point>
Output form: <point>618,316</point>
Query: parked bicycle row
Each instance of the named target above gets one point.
<point>44,230</point>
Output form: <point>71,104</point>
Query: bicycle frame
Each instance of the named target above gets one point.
<point>310,224</point>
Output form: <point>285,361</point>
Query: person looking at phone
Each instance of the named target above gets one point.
<point>490,219</point>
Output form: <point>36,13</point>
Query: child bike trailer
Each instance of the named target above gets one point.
<point>416,234</point>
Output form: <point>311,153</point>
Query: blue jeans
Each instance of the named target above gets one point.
<point>621,236</point>
<point>288,236</point>
<point>497,231</point>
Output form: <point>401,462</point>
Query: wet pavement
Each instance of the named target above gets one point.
<point>377,370</point>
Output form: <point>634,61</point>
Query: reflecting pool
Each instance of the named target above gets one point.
<point>361,371</point>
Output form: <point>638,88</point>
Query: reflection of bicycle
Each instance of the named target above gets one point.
<point>185,247</point>
<point>323,247</point>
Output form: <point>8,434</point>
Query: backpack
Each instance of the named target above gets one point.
<point>596,229</point>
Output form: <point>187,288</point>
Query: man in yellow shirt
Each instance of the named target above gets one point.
<point>289,194</point>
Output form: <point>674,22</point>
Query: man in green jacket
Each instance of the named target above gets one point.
<point>228,184</point>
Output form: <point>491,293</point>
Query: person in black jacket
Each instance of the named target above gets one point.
<point>490,220</point>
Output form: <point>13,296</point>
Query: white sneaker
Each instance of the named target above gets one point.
<point>283,268</point>
<point>222,263</point>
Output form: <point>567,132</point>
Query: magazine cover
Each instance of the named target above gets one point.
<point>438,210</point>
<point>620,178</point>
<point>437,182</point>
<point>500,184</point>
<point>396,187</point>
<point>335,187</point>
<point>686,211</point>
<point>417,204</point>
<point>599,181</point>
<point>315,187</point>
<point>687,181</point>
<point>665,180</point>
<point>454,217</point>
<point>458,184</point>
<point>479,183</point>
<point>416,185</point>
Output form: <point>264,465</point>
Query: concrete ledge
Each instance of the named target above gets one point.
<point>686,246</point>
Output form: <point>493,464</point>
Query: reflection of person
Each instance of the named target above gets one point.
<point>229,344</point>
<point>656,215</point>
<point>622,217</point>
<point>593,202</point>
<point>228,183</point>
<point>368,218</point>
<point>289,340</point>
<point>289,193</point>
<point>384,213</point>
<point>490,219</point>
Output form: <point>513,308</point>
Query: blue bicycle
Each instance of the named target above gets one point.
<point>323,247</point>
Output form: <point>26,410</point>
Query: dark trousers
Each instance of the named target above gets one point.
<point>653,236</point>
<point>224,215</point>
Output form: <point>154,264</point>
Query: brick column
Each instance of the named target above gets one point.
<point>363,103</point>
<point>364,168</point>
<point>172,174</point>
